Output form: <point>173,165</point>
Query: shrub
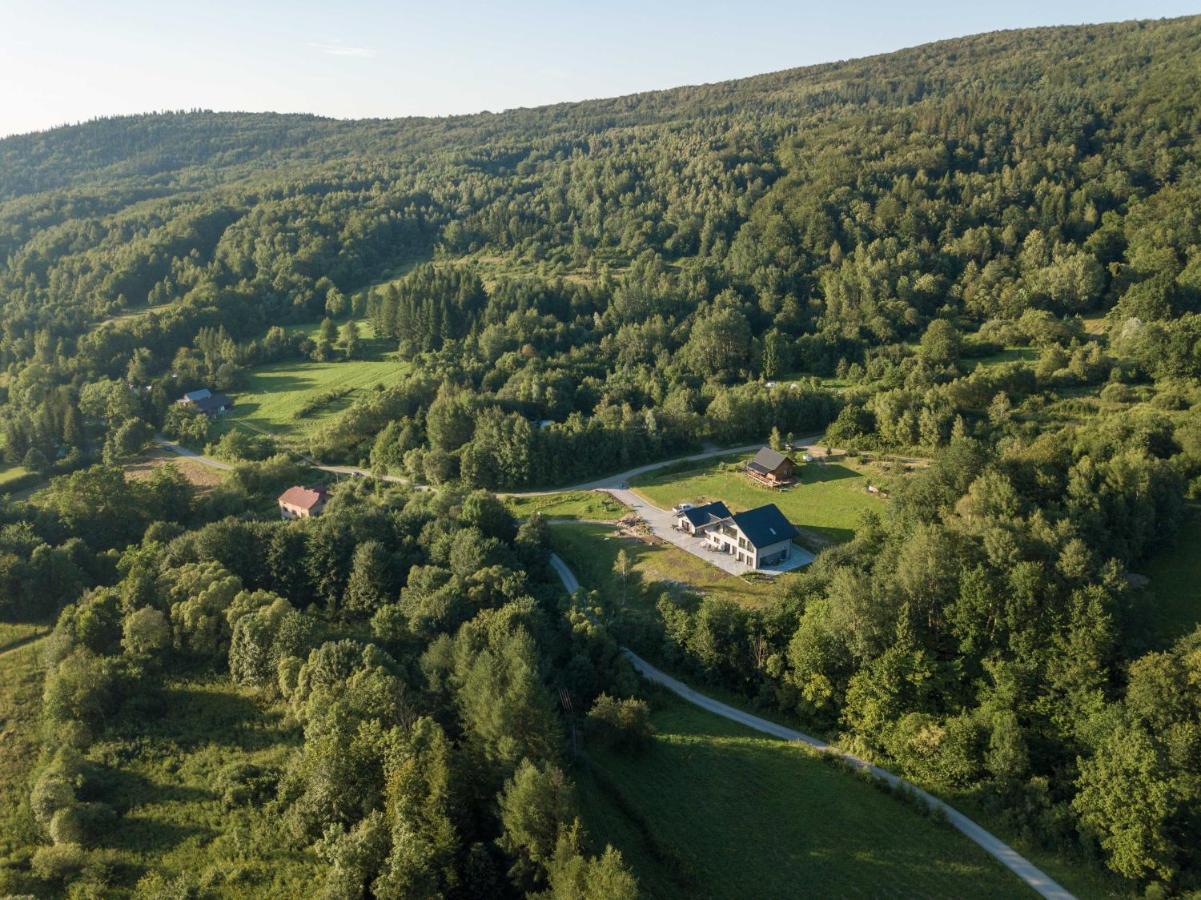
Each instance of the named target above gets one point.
<point>620,724</point>
<point>60,862</point>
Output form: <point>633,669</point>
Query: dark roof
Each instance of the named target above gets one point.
<point>767,460</point>
<point>703,515</point>
<point>303,497</point>
<point>212,403</point>
<point>765,525</point>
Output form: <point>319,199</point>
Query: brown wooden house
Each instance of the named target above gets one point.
<point>771,467</point>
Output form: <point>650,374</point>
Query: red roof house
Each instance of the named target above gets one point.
<point>299,502</point>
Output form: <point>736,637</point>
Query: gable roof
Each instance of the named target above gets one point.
<point>212,402</point>
<point>703,515</point>
<point>767,460</point>
<point>198,395</point>
<point>303,497</point>
<point>765,525</point>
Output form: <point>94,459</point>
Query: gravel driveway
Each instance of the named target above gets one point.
<point>662,524</point>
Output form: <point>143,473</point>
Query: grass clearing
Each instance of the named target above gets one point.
<point>716,810</point>
<point>197,474</point>
<point>1008,355</point>
<point>1170,606</point>
<point>825,503</point>
<point>594,505</point>
<point>14,634</point>
<point>21,674</point>
<point>274,394</point>
<point>160,774</point>
<point>18,481</point>
<point>591,551</point>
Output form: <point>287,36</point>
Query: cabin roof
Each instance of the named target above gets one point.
<point>767,460</point>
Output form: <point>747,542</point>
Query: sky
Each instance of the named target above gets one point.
<point>64,61</point>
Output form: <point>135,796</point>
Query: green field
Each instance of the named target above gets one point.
<point>274,394</point>
<point>591,551</point>
<point>826,501</point>
<point>21,675</point>
<point>15,479</point>
<point>595,505</point>
<point>1170,607</point>
<point>161,780</point>
<point>1008,355</point>
<point>14,634</point>
<point>716,810</point>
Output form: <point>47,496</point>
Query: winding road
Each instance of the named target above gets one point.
<point>609,482</point>
<point>1035,878</point>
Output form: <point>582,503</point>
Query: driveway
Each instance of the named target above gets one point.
<point>662,523</point>
<point>181,450</point>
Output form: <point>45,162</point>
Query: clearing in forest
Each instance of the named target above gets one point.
<point>825,503</point>
<point>714,809</point>
<point>293,399</point>
<point>21,674</point>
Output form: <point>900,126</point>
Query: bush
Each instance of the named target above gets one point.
<point>60,862</point>
<point>621,724</point>
<point>242,445</point>
<point>81,823</point>
<point>241,783</point>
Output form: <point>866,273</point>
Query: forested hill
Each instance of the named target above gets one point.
<point>984,254</point>
<point>1119,67</point>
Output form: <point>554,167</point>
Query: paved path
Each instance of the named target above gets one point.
<point>1034,877</point>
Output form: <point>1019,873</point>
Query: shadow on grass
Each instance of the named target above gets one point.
<point>147,834</point>
<point>186,717</point>
<point>814,473</point>
<point>124,790</point>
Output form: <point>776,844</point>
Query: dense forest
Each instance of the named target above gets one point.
<point>581,288</point>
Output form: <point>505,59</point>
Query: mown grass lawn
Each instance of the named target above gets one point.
<point>570,505</point>
<point>591,550</point>
<point>275,394</point>
<point>827,500</point>
<point>716,810</point>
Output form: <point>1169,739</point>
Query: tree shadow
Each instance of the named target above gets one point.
<point>814,473</point>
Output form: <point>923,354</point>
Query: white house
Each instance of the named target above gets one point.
<point>758,537</point>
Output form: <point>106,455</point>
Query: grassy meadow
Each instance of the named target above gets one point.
<point>591,551</point>
<point>586,505</point>
<point>1170,606</point>
<point>826,502</point>
<point>715,810</point>
<point>21,674</point>
<point>275,394</point>
<point>160,772</point>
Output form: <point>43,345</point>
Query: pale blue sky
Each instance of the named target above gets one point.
<point>64,61</point>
